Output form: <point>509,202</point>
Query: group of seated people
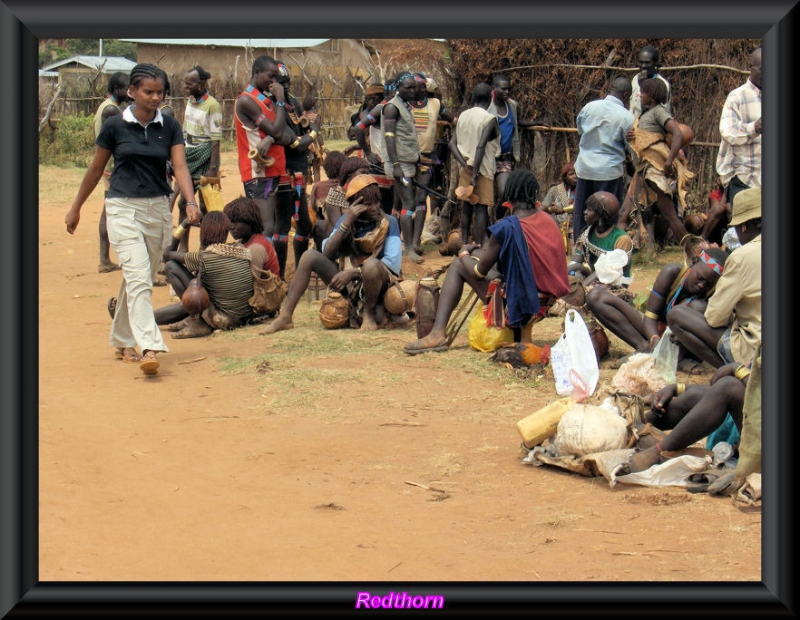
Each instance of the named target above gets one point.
<point>711,302</point>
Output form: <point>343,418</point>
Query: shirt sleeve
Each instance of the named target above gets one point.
<point>214,121</point>
<point>732,126</point>
<point>721,304</point>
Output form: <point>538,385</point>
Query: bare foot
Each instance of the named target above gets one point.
<point>369,322</point>
<point>277,325</point>
<point>645,459</point>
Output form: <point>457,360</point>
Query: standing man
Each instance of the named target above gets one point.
<point>111,106</point>
<point>506,110</point>
<point>202,133</point>
<point>259,118</point>
<point>427,112</point>
<point>292,201</point>
<point>475,145</point>
<point>602,126</point>
<point>402,156</point>
<point>739,157</point>
<point>648,64</point>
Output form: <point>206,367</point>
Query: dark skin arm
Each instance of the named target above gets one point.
<point>676,142</point>
<point>390,116</point>
<point>251,116</point>
<point>342,278</point>
<point>658,297</point>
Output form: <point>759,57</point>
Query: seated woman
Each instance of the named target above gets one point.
<point>247,229</point>
<point>372,241</point>
<point>525,250</point>
<point>676,284</point>
<point>600,236</point>
<point>692,413</point>
<point>332,165</point>
<point>224,271</point>
<point>335,202</point>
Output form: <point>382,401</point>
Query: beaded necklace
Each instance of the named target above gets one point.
<point>201,99</point>
<point>260,95</point>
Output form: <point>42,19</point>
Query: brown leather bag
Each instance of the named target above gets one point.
<point>269,291</point>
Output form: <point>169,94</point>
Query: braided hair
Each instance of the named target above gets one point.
<point>147,71</point>
<point>246,211</point>
<point>521,187</point>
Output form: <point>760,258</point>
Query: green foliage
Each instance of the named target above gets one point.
<point>70,144</point>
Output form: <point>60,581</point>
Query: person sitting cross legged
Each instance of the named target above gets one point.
<point>525,251</point>
<point>372,241</point>
<point>224,271</point>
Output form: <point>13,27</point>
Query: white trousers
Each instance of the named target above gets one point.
<point>139,230</point>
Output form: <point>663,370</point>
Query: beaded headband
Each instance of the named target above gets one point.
<point>711,262</point>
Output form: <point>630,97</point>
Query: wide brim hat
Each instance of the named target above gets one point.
<point>357,183</point>
<point>746,206</point>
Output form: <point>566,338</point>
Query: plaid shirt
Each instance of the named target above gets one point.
<point>740,148</point>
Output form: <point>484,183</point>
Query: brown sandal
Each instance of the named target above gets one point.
<point>149,364</point>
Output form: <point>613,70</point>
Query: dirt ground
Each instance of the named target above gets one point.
<point>315,455</point>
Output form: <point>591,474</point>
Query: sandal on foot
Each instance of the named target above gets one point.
<point>699,483</point>
<point>149,364</point>
<point>128,354</point>
<point>725,485</point>
<point>107,267</point>
<point>111,306</point>
<point>415,348</point>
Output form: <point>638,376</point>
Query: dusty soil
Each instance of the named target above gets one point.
<point>323,455</point>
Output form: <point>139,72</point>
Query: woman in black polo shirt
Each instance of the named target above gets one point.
<point>142,140</point>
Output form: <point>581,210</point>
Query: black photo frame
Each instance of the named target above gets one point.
<point>22,23</point>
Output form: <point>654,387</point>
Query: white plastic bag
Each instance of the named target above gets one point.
<point>574,361</point>
<point>609,268</point>
<point>666,358</point>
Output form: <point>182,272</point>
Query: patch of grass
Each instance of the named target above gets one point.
<point>446,464</point>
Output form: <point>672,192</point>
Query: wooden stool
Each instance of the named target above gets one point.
<point>317,289</point>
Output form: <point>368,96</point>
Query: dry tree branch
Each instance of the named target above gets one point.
<point>49,109</point>
<point>629,69</point>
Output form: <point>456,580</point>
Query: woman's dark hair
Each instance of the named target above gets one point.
<point>246,211</point>
<point>349,167</point>
<point>214,228</point>
<point>370,194</point>
<point>146,71</point>
<point>333,164</point>
<point>521,186</point>
<point>655,89</point>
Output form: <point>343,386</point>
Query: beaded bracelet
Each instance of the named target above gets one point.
<point>280,104</point>
<point>345,230</point>
<point>680,388</point>
<point>191,202</point>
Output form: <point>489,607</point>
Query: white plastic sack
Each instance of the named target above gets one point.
<point>666,358</point>
<point>589,429</point>
<point>574,360</point>
<point>609,266</point>
<point>674,472</point>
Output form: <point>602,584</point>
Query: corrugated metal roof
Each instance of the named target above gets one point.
<point>254,43</point>
<point>110,64</point>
